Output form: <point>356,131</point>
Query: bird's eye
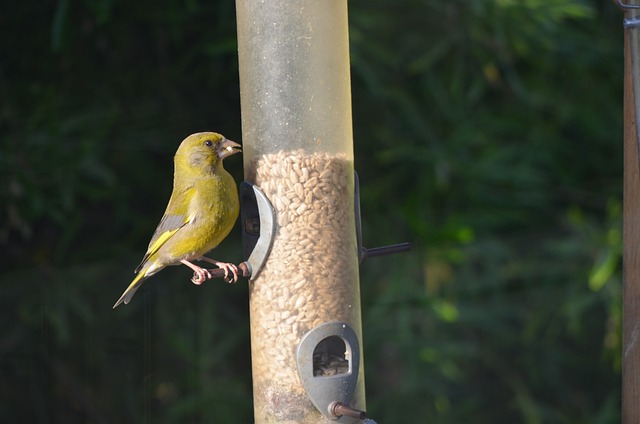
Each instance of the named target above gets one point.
<point>208,143</point>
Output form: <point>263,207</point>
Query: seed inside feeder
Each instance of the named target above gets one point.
<point>307,279</point>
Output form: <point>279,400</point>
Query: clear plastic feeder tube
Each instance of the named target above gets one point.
<point>298,148</point>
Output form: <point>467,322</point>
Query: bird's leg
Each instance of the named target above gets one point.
<point>227,267</point>
<point>201,275</point>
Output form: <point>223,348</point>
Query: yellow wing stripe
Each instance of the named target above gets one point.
<point>160,241</point>
<point>157,244</point>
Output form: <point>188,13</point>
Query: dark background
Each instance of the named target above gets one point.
<point>487,132</point>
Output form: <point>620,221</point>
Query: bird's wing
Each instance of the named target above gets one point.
<point>175,217</point>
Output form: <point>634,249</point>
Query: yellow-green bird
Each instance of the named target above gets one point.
<point>201,212</point>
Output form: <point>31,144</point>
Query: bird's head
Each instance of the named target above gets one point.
<point>204,151</point>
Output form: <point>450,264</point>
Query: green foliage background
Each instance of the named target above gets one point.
<point>487,132</point>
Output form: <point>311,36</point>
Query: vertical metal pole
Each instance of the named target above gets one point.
<point>631,217</point>
<point>631,256</point>
<point>298,149</point>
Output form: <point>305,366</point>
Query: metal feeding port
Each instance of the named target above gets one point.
<point>328,360</point>
<point>258,227</point>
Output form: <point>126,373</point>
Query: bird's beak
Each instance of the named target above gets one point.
<point>228,148</point>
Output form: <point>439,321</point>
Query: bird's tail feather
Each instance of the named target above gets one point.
<point>133,287</point>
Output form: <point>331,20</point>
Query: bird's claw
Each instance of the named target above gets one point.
<point>200,276</point>
<point>229,268</point>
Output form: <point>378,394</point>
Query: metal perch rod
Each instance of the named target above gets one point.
<point>367,253</point>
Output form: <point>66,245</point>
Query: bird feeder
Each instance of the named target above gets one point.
<point>306,335</point>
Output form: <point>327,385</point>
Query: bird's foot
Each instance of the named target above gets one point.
<point>200,275</point>
<point>230,270</point>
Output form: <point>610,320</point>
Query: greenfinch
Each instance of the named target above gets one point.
<point>201,212</point>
